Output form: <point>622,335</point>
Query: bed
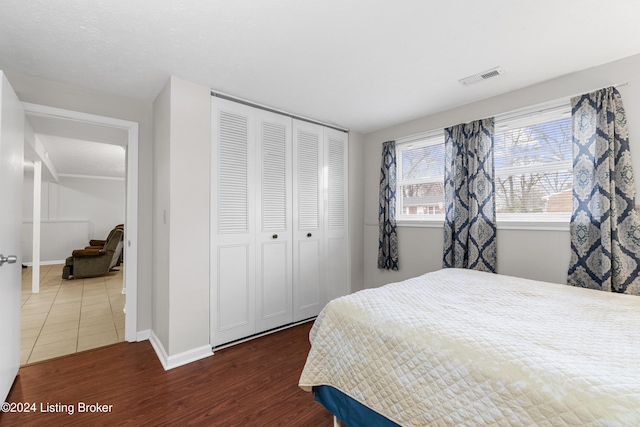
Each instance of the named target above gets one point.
<point>460,347</point>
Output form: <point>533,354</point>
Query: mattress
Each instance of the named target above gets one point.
<point>465,348</point>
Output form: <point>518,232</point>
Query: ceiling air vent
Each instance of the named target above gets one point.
<point>494,72</point>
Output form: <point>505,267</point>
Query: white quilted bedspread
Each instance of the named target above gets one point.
<point>466,348</point>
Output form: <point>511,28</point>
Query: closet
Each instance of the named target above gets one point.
<point>279,237</point>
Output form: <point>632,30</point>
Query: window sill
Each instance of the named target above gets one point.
<point>534,225</point>
<point>548,225</point>
<point>426,223</point>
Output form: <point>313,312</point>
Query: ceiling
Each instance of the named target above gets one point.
<point>77,149</point>
<point>359,64</point>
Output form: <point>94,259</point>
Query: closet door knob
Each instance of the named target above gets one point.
<point>308,234</point>
<point>275,236</point>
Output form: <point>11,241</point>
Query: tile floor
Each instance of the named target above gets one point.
<point>69,316</point>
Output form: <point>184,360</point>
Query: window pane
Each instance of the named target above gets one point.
<point>423,162</point>
<point>534,192</point>
<point>422,199</point>
<point>537,147</point>
<point>537,144</point>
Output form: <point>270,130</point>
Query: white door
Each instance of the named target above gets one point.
<point>233,270</point>
<point>336,238</point>
<point>274,228</point>
<point>308,248</point>
<point>11,170</point>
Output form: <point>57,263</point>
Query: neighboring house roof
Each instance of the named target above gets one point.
<point>560,202</point>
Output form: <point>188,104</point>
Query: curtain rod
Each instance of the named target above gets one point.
<point>274,110</point>
<point>558,105</point>
<point>538,109</point>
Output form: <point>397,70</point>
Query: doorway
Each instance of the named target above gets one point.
<point>69,316</point>
<point>128,275</point>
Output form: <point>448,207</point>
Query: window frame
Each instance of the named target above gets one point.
<point>540,113</point>
<point>426,139</point>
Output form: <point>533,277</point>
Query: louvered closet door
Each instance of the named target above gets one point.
<point>308,251</point>
<point>337,271</point>
<point>274,305</point>
<point>233,234</point>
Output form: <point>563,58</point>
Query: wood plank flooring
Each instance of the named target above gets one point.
<point>251,384</point>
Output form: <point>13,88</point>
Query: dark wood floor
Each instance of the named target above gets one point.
<point>251,384</point>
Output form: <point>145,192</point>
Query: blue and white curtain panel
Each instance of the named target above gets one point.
<point>470,207</point>
<point>388,238</point>
<point>605,227</point>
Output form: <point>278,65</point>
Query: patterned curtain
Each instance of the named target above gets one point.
<point>388,239</point>
<point>469,188</point>
<point>605,228</point>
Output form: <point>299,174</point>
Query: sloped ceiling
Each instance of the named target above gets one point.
<point>78,148</point>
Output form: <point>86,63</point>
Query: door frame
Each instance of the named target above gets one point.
<point>131,215</point>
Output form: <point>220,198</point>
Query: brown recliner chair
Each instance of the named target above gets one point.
<point>91,262</point>
<point>99,244</point>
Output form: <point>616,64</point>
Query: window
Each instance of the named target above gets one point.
<point>533,169</point>
<point>420,178</point>
<point>533,166</point>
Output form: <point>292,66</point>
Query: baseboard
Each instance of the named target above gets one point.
<point>159,349</point>
<point>143,335</point>
<point>170,362</point>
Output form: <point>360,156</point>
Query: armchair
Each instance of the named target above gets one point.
<point>94,243</point>
<point>94,261</point>
<point>98,244</point>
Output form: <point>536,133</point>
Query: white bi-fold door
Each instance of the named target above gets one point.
<point>308,221</point>
<point>251,248</point>
<point>274,279</point>
<point>336,214</point>
<point>278,220</point>
<point>233,246</point>
<point>320,217</point>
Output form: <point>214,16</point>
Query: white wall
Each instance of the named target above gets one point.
<point>542,255</point>
<point>190,166</point>
<point>161,130</point>
<point>182,124</point>
<point>100,202</point>
<point>69,97</point>
<point>58,240</point>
